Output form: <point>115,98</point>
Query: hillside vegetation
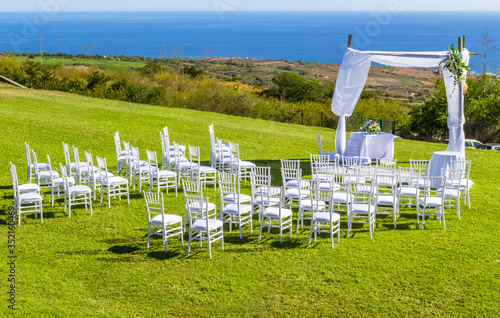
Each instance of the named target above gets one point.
<point>98,265</point>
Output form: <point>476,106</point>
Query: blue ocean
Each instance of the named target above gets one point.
<point>299,36</point>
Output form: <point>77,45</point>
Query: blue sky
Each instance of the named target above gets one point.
<point>207,5</point>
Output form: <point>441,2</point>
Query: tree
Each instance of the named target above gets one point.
<point>486,48</point>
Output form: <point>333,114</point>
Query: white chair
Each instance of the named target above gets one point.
<point>205,174</point>
<point>57,186</point>
<point>420,165</point>
<point>75,195</point>
<point>232,210</point>
<point>218,150</point>
<point>27,202</point>
<point>182,164</point>
<point>321,168</point>
<point>168,153</point>
<point>308,205</point>
<point>259,177</point>
<point>324,219</point>
<point>31,167</point>
<point>28,187</point>
<point>112,186</point>
<point>330,155</point>
<point>94,180</point>
<point>465,182</point>
<point>203,226</point>
<point>239,167</point>
<point>43,178</point>
<point>71,166</point>
<point>353,149</point>
<point>386,163</point>
<point>452,191</point>
<point>194,188</point>
<point>290,163</point>
<point>275,216</point>
<point>82,169</point>
<point>407,191</point>
<point>362,206</point>
<point>121,159</point>
<point>294,189</point>
<point>181,148</point>
<point>159,223</point>
<point>386,198</point>
<point>342,196</point>
<point>430,200</point>
<point>160,178</point>
<point>140,169</point>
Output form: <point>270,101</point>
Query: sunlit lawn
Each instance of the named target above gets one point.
<point>99,266</point>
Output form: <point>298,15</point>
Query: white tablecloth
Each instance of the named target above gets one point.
<point>375,146</point>
<point>441,160</point>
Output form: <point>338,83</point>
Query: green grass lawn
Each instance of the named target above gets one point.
<point>98,265</point>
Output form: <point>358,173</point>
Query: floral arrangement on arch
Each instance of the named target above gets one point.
<point>453,63</point>
<point>370,127</point>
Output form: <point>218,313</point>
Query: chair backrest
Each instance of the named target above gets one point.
<point>192,187</point>
<point>103,169</point>
<point>291,177</point>
<point>353,148</point>
<point>118,146</point>
<point>408,176</point>
<point>453,178</point>
<point>260,176</point>
<point>194,156</point>
<point>228,177</point>
<point>135,159</point>
<point>320,166</point>
<point>197,208</point>
<point>230,188</point>
<point>153,162</point>
<point>320,148</point>
<point>362,193</point>
<point>15,184</point>
<point>165,132</point>
<point>154,204</point>
<point>386,163</point>
<point>64,175</point>
<point>269,195</point>
<point>434,186</point>
<point>350,161</point>
<point>212,134</point>
<point>321,196</point>
<point>35,164</point>
<point>77,157</point>
<point>67,157</point>
<point>386,183</point>
<point>28,155</point>
<point>463,165</point>
<point>421,165</point>
<point>290,163</point>
<point>90,165</point>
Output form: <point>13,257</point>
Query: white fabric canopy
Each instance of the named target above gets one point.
<point>352,77</point>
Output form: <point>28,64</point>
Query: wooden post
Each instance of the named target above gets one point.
<point>349,39</point>
<point>460,44</point>
<point>463,40</point>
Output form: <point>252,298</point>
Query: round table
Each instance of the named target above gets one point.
<point>441,160</point>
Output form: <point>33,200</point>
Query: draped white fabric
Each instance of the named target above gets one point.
<point>352,77</point>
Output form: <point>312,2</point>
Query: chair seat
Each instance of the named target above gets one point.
<point>98,177</point>
<point>431,201</point>
<point>164,174</point>
<point>86,170</point>
<point>463,183</point>
<point>79,189</point>
<point>59,182</point>
<point>294,183</point>
<point>407,191</point>
<point>231,198</point>
<point>340,197</point>
<point>232,208</point>
<point>196,207</point>
<point>46,175</point>
<point>201,224</point>
<point>360,208</point>
<point>205,169</point>
<point>244,164</point>
<point>324,217</point>
<point>329,186</point>
<point>294,193</point>
<point>114,181</point>
<point>29,187</point>
<point>269,200</point>
<point>181,148</point>
<point>308,205</point>
<point>273,212</point>
<point>168,218</point>
<point>82,165</point>
<point>41,166</point>
<point>30,197</point>
<point>452,193</point>
<point>386,200</point>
